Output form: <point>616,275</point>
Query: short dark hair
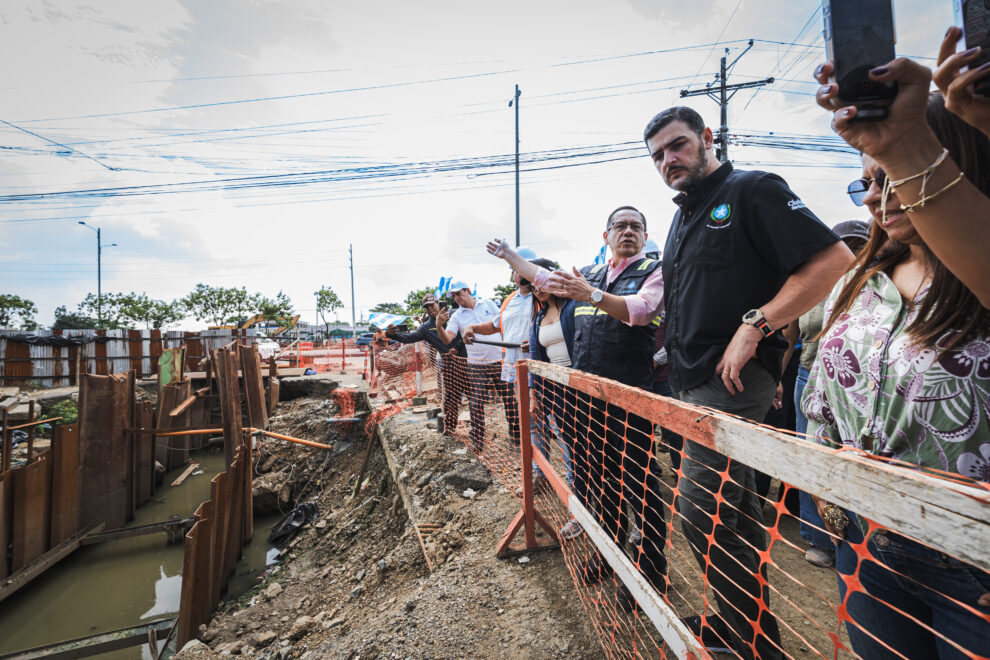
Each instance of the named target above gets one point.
<point>677,113</point>
<point>608,222</point>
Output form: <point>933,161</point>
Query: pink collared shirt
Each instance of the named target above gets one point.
<point>644,305</point>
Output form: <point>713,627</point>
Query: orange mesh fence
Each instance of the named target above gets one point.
<point>341,356</point>
<point>478,401</point>
<point>672,545</point>
<point>680,550</point>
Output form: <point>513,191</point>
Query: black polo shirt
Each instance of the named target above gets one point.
<point>427,332</point>
<point>735,240</point>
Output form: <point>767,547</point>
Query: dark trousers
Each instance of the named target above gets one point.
<point>453,375</point>
<point>614,466</point>
<point>482,377</point>
<point>731,564</point>
<point>672,442</point>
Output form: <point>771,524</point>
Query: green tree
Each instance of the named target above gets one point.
<point>217,304</point>
<point>278,309</point>
<point>66,320</point>
<point>154,314</point>
<point>11,306</point>
<point>502,292</point>
<point>326,302</point>
<point>414,301</point>
<point>388,308</point>
<point>114,309</point>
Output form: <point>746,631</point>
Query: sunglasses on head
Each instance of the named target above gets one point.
<point>857,189</point>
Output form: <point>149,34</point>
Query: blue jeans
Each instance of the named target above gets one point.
<point>921,582</point>
<point>811,522</point>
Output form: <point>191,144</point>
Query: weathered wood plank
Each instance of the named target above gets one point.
<point>45,561</point>
<point>949,516</point>
<point>182,407</point>
<point>185,473</point>
<point>90,645</point>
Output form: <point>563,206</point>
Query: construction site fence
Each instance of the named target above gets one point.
<point>334,356</point>
<point>23,363</point>
<point>663,511</point>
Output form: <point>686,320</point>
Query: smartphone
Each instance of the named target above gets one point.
<point>859,36</point>
<point>973,17</point>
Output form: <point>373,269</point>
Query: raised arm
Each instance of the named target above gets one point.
<point>956,223</point>
<point>446,335</point>
<point>500,248</point>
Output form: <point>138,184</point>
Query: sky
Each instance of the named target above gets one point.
<point>251,142</point>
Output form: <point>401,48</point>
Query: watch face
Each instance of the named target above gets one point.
<point>751,315</point>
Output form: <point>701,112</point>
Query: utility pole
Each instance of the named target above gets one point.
<point>515,103</point>
<point>725,94</point>
<point>99,271</point>
<point>350,252</point>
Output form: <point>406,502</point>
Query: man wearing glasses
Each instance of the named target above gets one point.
<point>614,337</point>
<point>744,257</point>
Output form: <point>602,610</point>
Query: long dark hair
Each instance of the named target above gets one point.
<point>550,265</point>
<point>949,304</point>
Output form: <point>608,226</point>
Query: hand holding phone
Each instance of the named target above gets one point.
<point>859,36</point>
<point>973,18</point>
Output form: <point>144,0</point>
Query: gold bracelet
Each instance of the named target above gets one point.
<point>911,208</point>
<point>923,173</point>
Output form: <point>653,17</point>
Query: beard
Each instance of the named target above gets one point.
<point>692,174</point>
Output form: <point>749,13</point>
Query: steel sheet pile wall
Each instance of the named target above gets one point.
<point>124,350</point>
<point>38,502</point>
<point>224,523</point>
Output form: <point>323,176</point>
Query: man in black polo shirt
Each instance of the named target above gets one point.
<point>452,359</point>
<point>744,257</point>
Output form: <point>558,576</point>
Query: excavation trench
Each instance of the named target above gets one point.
<point>125,582</point>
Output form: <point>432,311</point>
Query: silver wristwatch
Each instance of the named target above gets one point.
<point>597,296</point>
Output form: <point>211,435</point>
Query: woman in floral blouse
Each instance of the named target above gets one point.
<point>903,371</point>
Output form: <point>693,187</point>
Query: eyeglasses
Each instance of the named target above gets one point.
<point>622,226</point>
<point>857,189</point>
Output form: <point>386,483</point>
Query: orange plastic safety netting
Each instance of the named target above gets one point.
<point>671,492</point>
<point>477,399</point>
<point>676,542</point>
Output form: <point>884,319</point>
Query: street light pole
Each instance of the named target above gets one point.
<point>99,271</point>
<point>515,103</point>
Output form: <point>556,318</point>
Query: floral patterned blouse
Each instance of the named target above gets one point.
<point>870,388</point>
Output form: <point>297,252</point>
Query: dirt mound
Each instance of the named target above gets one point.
<point>355,584</point>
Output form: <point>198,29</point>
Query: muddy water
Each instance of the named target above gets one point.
<point>122,583</point>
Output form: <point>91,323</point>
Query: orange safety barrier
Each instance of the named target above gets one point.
<point>674,549</point>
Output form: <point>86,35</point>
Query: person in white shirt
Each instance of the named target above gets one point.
<point>484,362</point>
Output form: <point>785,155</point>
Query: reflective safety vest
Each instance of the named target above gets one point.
<point>604,345</point>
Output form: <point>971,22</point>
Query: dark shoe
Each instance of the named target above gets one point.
<point>594,570</point>
<point>714,633</point>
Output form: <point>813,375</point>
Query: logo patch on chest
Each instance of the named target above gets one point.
<point>720,217</point>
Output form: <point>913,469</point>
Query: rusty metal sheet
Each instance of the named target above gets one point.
<point>254,386</point>
<point>105,411</point>
<point>6,518</point>
<point>65,483</point>
<point>144,455</point>
<point>32,507</point>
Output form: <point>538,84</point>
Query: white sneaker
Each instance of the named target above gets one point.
<point>820,557</point>
<point>571,530</point>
